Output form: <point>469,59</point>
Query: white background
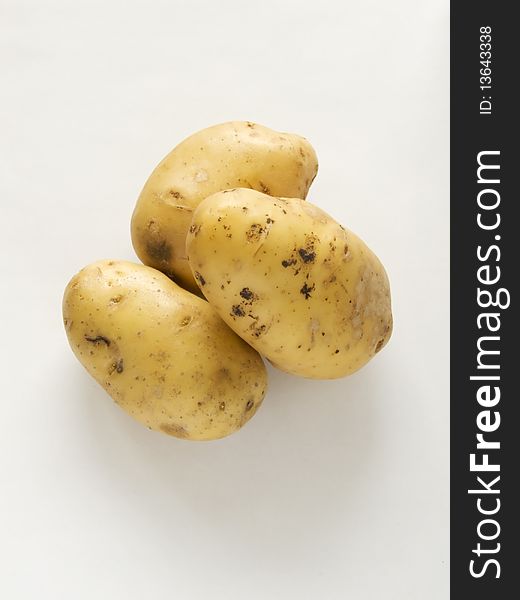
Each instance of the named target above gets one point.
<point>335,490</point>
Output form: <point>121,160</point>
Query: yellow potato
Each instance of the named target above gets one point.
<point>162,353</point>
<point>301,289</point>
<point>235,154</point>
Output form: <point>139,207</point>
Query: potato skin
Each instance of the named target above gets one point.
<point>161,353</point>
<point>234,154</point>
<point>301,289</point>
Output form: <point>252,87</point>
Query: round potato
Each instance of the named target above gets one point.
<point>235,154</point>
<point>300,288</point>
<point>162,353</point>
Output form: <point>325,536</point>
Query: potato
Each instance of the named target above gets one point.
<point>301,289</point>
<point>162,353</point>
<point>235,154</point>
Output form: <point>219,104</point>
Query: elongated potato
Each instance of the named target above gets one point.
<point>301,289</point>
<point>234,154</point>
<point>162,353</point>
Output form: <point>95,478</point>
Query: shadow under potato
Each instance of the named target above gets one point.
<point>304,455</point>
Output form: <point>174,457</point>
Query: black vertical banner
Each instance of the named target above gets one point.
<point>485,268</point>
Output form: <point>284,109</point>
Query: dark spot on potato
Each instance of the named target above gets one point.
<point>244,208</point>
<point>288,262</point>
<point>250,125</point>
<point>98,339</point>
<point>174,429</point>
<point>116,366</point>
<point>175,194</point>
<point>116,299</point>
<point>336,351</point>
<point>306,256</point>
<point>221,374</point>
<point>194,229</point>
<point>186,321</point>
<point>222,406</point>
<point>159,250</point>
<point>269,221</point>
<point>247,294</point>
<point>200,278</point>
<point>254,233</point>
<point>237,311</point>
<point>306,290</point>
<point>257,330</point>
<point>379,345</point>
<point>264,188</point>
<point>250,404</point>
